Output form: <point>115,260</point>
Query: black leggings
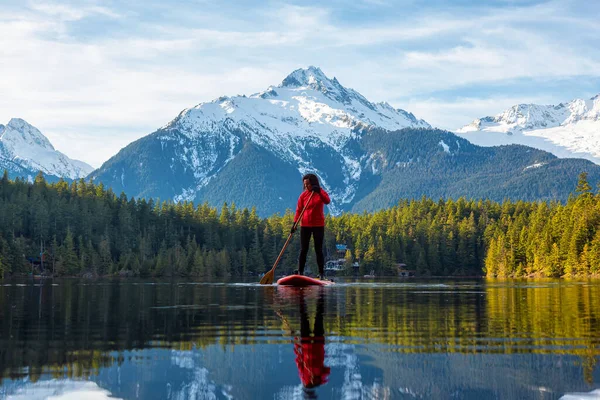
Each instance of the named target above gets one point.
<point>319,330</point>
<point>318,233</point>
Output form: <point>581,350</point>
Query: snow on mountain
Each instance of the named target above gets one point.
<point>24,145</point>
<point>567,130</point>
<point>252,150</point>
<point>306,110</point>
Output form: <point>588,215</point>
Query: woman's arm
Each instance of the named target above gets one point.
<point>324,196</point>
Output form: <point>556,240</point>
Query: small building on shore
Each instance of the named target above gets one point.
<point>339,262</point>
<point>340,249</point>
<point>403,271</point>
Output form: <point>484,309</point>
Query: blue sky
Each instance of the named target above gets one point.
<point>96,75</point>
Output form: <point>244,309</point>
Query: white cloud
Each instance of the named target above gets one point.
<point>75,92</point>
<point>300,18</point>
<point>66,12</point>
<point>77,89</point>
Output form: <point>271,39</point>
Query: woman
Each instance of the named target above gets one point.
<point>313,221</point>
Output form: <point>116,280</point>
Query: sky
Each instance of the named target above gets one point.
<point>95,75</point>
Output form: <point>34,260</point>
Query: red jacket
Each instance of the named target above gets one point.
<point>313,215</point>
<point>310,359</point>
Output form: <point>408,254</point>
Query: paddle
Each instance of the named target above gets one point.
<point>267,279</point>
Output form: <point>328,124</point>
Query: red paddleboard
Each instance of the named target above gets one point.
<point>301,280</point>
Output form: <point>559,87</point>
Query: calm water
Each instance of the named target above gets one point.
<point>375,339</point>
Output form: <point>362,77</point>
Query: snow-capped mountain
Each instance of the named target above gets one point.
<point>253,151</point>
<point>307,121</point>
<point>306,110</point>
<point>567,130</point>
<point>24,149</point>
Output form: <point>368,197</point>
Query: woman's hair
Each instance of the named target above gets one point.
<point>312,178</point>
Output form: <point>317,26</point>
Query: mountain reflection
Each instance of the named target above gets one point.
<point>184,340</point>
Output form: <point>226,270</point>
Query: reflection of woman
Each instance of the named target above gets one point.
<point>310,350</point>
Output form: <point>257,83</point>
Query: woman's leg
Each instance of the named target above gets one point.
<point>318,236</point>
<point>304,324</point>
<point>304,242</point>
<point>319,329</point>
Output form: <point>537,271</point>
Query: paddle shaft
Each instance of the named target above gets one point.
<point>291,233</point>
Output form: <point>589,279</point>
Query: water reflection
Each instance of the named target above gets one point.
<point>186,340</point>
<point>57,389</point>
<point>309,346</point>
<point>593,395</point>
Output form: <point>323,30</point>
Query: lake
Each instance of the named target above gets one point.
<point>358,339</point>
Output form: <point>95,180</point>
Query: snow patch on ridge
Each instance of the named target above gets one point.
<point>444,146</point>
<point>205,166</point>
<point>536,165</point>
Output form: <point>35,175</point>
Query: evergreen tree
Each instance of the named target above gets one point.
<point>68,257</point>
<point>198,268</point>
<point>583,186</point>
<point>85,227</point>
<point>105,256</point>
<point>348,262</point>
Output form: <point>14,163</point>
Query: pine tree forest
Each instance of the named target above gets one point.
<point>82,228</point>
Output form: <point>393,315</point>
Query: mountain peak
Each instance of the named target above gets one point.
<point>306,103</point>
<point>27,147</point>
<point>19,132</point>
<point>311,76</point>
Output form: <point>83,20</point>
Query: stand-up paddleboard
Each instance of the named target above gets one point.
<point>301,280</point>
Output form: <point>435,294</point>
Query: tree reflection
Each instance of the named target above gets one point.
<point>77,328</point>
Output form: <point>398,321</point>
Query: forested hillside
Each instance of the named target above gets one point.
<point>85,229</point>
